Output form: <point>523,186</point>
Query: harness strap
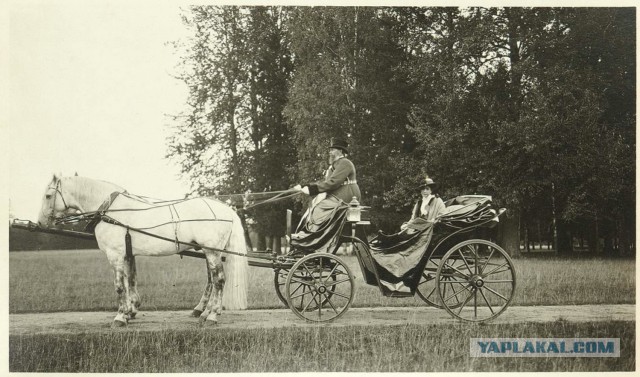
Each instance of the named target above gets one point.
<point>176,224</point>
<point>128,248</point>
<point>113,221</point>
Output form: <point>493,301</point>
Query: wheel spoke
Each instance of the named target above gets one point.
<point>488,259</point>
<point>452,281</point>
<point>465,303</point>
<point>300,285</point>
<point>432,291</point>
<point>507,269</point>
<point>306,307</point>
<point>334,283</point>
<point>427,278</point>
<point>331,273</point>
<point>459,283</point>
<point>455,269</point>
<point>475,258</point>
<point>455,293</point>
<point>496,293</point>
<point>506,263</point>
<point>302,294</point>
<point>328,300</point>
<point>487,301</point>
<point>475,303</point>
<point>464,260</point>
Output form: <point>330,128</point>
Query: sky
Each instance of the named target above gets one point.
<point>90,88</point>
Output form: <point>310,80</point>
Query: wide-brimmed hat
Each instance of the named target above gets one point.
<point>339,144</point>
<point>429,182</point>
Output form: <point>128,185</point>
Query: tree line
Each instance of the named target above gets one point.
<point>533,106</point>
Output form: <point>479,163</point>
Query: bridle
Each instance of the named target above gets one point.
<point>58,191</point>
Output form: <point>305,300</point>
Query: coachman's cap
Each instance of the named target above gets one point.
<point>340,144</point>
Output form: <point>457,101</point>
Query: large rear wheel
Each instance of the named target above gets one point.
<point>427,286</point>
<point>320,287</point>
<point>476,280</point>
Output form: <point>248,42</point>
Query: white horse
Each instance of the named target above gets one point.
<point>206,222</point>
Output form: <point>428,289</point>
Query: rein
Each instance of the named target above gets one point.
<point>281,195</point>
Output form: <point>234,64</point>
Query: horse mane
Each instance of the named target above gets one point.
<point>84,188</point>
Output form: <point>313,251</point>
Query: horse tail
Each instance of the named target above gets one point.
<point>235,289</point>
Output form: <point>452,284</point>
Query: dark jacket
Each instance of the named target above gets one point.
<point>340,181</point>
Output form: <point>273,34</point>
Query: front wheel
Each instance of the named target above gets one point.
<point>320,287</point>
<point>279,281</point>
<point>476,280</point>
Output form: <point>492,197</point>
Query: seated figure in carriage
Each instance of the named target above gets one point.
<point>425,212</point>
<point>399,255</point>
<point>321,225</point>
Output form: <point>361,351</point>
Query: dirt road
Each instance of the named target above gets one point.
<point>83,322</point>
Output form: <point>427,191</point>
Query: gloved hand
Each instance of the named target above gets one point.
<point>297,188</point>
<point>305,190</point>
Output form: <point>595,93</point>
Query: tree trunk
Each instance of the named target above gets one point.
<point>261,245</point>
<point>527,247</point>
<point>592,239</point>
<point>554,219</point>
<point>508,234</point>
<point>563,244</point>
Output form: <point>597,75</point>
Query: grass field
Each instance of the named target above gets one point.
<point>402,348</point>
<point>81,280</point>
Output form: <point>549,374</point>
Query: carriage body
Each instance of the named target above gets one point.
<point>461,269</point>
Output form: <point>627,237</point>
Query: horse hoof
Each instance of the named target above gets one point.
<point>196,313</point>
<point>208,322</point>
<point>132,315</point>
<point>118,324</point>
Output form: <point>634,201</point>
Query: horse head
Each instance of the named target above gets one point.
<point>56,202</point>
<point>71,195</point>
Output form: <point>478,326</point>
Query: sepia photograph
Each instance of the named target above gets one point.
<point>321,188</point>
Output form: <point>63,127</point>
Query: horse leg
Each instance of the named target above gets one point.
<point>216,274</point>
<point>121,282</point>
<point>121,319</point>
<point>197,311</point>
<point>133,288</point>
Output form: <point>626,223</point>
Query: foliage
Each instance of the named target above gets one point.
<point>534,106</point>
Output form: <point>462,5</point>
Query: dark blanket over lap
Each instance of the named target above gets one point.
<point>398,254</point>
<point>320,230</point>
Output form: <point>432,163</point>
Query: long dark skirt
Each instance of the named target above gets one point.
<point>320,228</point>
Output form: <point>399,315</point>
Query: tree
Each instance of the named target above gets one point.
<point>346,84</point>
<point>210,138</point>
<point>518,111</point>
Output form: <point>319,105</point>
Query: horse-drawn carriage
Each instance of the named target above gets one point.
<point>452,266</point>
<point>457,269</point>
